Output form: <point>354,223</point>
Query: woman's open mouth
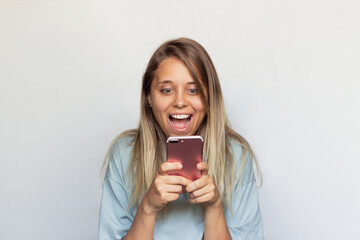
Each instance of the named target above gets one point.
<point>180,121</point>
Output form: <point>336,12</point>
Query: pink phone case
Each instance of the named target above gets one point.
<point>186,150</point>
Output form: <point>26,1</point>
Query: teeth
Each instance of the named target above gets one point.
<point>181,116</point>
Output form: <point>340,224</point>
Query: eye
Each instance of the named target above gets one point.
<point>166,90</point>
<point>193,90</point>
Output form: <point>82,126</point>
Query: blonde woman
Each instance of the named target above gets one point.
<point>180,96</point>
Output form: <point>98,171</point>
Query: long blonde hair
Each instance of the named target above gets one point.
<point>148,144</point>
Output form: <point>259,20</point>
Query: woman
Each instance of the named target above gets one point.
<point>181,95</point>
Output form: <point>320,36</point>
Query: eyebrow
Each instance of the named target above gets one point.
<point>169,81</point>
<point>165,81</point>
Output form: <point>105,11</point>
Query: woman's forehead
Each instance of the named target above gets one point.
<point>172,66</point>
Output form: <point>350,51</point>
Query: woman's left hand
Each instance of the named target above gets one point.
<point>204,190</point>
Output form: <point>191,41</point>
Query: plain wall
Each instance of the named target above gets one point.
<point>70,76</point>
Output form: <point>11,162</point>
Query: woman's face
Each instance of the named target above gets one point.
<point>175,99</point>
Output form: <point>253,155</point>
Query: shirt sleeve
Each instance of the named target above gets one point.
<point>115,217</point>
<point>244,217</point>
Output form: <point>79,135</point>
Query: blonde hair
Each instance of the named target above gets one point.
<point>148,144</point>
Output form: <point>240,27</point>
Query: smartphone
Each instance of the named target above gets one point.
<point>188,151</point>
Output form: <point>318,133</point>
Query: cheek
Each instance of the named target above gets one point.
<point>198,105</point>
<point>159,106</point>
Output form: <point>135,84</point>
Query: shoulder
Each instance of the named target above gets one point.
<point>121,145</point>
<point>243,160</point>
<point>119,157</point>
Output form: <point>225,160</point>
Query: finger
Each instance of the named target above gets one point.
<point>168,166</point>
<point>172,197</point>
<point>202,199</point>
<point>200,183</point>
<point>176,180</point>
<point>203,167</point>
<point>168,197</point>
<point>202,191</point>
<point>172,188</point>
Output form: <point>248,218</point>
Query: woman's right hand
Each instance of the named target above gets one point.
<point>165,188</point>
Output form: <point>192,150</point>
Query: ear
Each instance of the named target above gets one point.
<point>149,100</point>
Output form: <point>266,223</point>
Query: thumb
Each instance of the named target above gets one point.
<point>203,167</point>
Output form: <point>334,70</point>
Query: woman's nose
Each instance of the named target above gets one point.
<point>180,100</point>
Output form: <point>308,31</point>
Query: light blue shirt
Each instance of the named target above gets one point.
<point>183,220</point>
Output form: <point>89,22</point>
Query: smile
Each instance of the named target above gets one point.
<point>180,121</point>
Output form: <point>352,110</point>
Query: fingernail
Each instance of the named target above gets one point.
<point>179,166</point>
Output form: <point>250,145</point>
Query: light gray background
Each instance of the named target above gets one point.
<point>70,75</point>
